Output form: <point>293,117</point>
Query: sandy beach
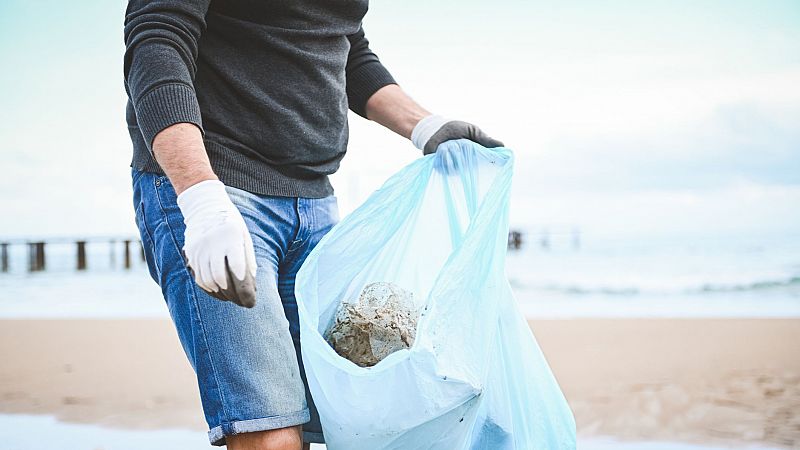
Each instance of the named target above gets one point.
<point>729,382</point>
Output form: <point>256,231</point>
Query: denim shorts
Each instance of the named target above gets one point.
<point>247,361</point>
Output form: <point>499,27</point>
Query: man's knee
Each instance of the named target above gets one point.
<point>280,439</point>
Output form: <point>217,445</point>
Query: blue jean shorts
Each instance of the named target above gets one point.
<point>247,361</point>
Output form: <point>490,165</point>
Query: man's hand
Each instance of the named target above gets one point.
<point>218,246</point>
<point>433,130</point>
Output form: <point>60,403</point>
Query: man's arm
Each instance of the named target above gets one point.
<point>364,73</point>
<point>161,49</point>
<point>395,110</point>
<point>373,94</point>
<point>180,151</point>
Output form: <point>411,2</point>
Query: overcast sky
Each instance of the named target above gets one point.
<point>625,117</point>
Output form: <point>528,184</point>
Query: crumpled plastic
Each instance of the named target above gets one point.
<point>475,377</point>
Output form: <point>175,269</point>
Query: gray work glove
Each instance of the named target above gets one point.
<point>433,130</point>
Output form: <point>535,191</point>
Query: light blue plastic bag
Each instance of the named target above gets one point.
<point>475,377</point>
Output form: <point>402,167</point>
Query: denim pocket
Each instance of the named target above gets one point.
<point>169,227</point>
<point>172,217</point>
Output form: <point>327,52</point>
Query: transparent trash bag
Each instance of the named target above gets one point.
<point>474,377</point>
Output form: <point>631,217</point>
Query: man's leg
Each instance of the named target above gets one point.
<point>245,362</point>
<point>281,439</point>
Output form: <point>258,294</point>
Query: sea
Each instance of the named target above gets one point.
<point>707,276</point>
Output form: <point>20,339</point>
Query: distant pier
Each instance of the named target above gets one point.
<point>36,260</point>
<point>544,238</point>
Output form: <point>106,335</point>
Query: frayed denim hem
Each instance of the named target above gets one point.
<point>217,434</point>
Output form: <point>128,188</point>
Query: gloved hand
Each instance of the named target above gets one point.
<point>433,130</point>
<point>218,247</point>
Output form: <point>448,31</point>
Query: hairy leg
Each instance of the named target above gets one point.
<point>279,439</point>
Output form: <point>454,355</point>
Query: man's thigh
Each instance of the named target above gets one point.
<point>245,361</point>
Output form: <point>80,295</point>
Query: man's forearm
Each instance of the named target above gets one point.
<point>180,151</point>
<point>394,109</point>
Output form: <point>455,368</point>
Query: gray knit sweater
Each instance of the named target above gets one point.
<point>269,84</point>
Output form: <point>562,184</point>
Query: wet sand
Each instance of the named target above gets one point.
<point>723,382</point>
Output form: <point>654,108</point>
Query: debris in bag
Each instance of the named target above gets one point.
<point>381,322</point>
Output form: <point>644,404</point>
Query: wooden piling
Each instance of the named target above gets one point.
<point>127,243</point>
<point>3,256</point>
<point>40,261</point>
<point>36,259</point>
<point>514,240</point>
<point>81,250</point>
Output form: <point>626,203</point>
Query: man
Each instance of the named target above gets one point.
<point>238,114</point>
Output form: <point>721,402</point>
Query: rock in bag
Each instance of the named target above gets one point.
<point>468,375</point>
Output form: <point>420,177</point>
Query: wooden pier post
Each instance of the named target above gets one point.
<point>514,240</point>
<point>81,255</point>
<point>141,251</point>
<point>36,260</point>
<point>40,261</point>
<point>127,243</point>
<point>4,257</point>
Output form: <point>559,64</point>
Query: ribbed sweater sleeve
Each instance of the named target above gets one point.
<point>365,73</point>
<point>161,47</point>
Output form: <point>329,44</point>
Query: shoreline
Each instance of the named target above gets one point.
<point>699,380</point>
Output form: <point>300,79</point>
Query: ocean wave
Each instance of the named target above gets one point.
<point>755,286</point>
<point>631,291</point>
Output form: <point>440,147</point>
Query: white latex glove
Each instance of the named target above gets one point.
<point>432,130</point>
<point>218,247</point>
